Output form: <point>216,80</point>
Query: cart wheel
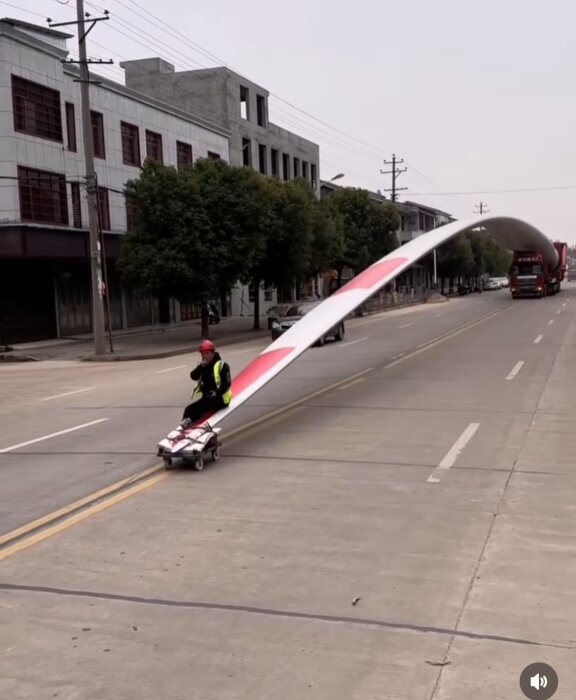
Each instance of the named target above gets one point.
<point>167,462</point>
<point>215,454</point>
<point>199,464</point>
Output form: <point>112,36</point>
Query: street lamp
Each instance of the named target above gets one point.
<point>337,177</point>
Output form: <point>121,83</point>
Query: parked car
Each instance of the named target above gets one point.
<point>298,311</point>
<point>504,281</point>
<point>491,284</point>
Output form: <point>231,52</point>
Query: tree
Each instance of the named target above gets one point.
<point>170,252</point>
<point>289,238</point>
<point>199,230</point>
<point>369,228</point>
<point>236,202</point>
<point>327,239</point>
<point>455,259</point>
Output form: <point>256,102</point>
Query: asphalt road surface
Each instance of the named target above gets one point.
<point>407,534</point>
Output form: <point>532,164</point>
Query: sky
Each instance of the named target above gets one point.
<point>476,97</point>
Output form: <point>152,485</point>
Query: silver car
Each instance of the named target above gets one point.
<point>294,313</point>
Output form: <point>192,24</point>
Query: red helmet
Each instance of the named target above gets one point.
<point>207,346</point>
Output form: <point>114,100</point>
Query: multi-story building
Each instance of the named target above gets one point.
<point>240,107</point>
<point>44,249</point>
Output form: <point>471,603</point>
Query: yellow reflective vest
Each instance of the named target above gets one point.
<point>227,396</point>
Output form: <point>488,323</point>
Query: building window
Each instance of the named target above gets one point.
<point>262,159</point>
<point>183,155</point>
<point>296,167</point>
<point>268,294</point>
<point>154,146</point>
<point>76,205</point>
<point>286,166</point>
<point>274,161</point>
<point>261,110</point>
<point>97,120</point>
<point>244,107</point>
<point>314,175</point>
<point>130,144</point>
<point>103,209</point>
<point>42,196</point>
<point>36,109</point>
<point>247,152</point>
<point>71,126</point>
<point>213,156</point>
<point>305,169</point>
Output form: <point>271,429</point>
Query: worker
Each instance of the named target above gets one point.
<point>213,391</point>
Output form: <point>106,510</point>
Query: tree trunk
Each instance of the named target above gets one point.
<point>223,301</point>
<point>205,328</point>
<point>257,304</point>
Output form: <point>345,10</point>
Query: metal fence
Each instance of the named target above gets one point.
<point>383,301</point>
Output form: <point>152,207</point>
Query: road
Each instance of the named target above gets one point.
<point>128,407</point>
<point>407,534</point>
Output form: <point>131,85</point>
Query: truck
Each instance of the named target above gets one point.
<point>535,274</point>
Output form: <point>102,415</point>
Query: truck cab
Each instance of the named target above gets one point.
<point>530,276</point>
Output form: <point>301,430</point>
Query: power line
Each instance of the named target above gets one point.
<point>513,191</point>
<point>482,208</point>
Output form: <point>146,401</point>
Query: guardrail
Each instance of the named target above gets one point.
<point>384,301</point>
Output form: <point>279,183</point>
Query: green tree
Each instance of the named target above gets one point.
<point>369,228</point>
<point>289,238</point>
<point>238,205</point>
<point>199,230</point>
<point>327,241</point>
<point>455,258</point>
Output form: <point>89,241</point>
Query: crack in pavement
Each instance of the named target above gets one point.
<point>270,612</point>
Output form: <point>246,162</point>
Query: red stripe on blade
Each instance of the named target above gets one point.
<point>257,368</point>
<point>372,275</point>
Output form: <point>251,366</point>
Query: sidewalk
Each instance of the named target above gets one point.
<point>161,341</point>
<point>141,344</point>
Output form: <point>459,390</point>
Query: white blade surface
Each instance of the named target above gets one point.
<point>513,234</point>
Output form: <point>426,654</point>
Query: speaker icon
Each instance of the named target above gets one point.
<point>538,681</point>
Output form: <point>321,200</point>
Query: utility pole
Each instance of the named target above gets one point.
<point>482,208</point>
<point>91,182</point>
<point>394,172</point>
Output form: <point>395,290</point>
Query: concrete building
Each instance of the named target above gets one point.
<point>237,105</point>
<point>241,108</point>
<point>44,259</point>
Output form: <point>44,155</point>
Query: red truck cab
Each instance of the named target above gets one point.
<point>532,276</point>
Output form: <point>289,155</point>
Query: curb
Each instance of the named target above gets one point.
<point>232,340</point>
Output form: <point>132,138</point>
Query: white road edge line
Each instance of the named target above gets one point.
<point>515,370</point>
<point>169,369</point>
<point>442,314</point>
<point>454,452</point>
<point>406,325</point>
<point>538,339</point>
<point>68,393</point>
<point>351,342</point>
<point>47,437</point>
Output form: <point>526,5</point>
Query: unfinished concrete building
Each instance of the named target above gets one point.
<point>238,105</point>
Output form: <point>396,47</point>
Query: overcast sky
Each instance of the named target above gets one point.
<point>474,96</point>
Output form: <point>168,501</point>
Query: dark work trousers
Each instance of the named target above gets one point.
<point>197,409</point>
